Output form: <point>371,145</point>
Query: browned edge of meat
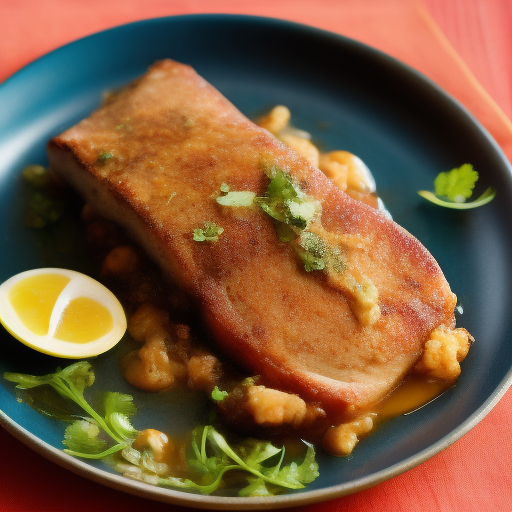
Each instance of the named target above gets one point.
<point>153,158</point>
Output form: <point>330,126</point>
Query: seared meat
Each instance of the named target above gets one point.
<point>153,159</point>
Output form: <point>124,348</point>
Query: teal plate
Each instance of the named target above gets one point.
<point>348,96</point>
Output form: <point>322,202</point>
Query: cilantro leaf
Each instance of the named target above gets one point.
<point>25,381</point>
<point>285,202</point>
<point>307,471</point>
<point>236,198</point>
<point>212,456</point>
<point>454,187</point>
<point>208,233</point>
<point>293,211</point>
<point>103,156</point>
<point>218,395</point>
<point>118,409</point>
<point>119,403</point>
<point>70,383</point>
<point>78,376</point>
<point>257,452</point>
<point>82,436</point>
<point>256,487</point>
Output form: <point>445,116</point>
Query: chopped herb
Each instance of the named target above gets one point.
<point>285,202</point>
<point>318,255</point>
<point>239,198</point>
<point>313,251</point>
<point>210,454</point>
<point>44,205</point>
<point>218,395</point>
<point>453,188</point>
<point>104,156</point>
<point>293,211</point>
<point>81,437</point>
<point>250,381</point>
<point>208,233</point>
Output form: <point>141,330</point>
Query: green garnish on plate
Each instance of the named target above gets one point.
<point>292,211</point>
<point>455,187</point>
<point>84,437</point>
<point>210,232</point>
<point>110,435</point>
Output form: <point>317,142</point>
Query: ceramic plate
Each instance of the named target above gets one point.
<point>348,96</point>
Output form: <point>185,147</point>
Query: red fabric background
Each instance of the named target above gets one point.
<point>463,45</point>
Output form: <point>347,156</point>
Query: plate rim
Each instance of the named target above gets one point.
<point>319,32</point>
<point>177,497</point>
<point>287,500</point>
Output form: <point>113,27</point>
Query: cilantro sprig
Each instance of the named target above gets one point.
<point>213,457</point>
<point>455,187</point>
<point>293,211</point>
<point>110,436</point>
<point>285,202</point>
<point>83,437</point>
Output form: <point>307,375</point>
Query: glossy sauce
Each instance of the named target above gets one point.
<point>414,392</point>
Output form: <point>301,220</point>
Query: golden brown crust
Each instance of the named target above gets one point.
<point>173,140</point>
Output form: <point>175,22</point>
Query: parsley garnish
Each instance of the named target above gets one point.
<point>253,457</point>
<point>82,436</point>
<point>293,211</point>
<point>97,436</point>
<point>218,395</point>
<point>208,233</point>
<point>104,156</point>
<point>453,188</point>
<point>237,198</point>
<point>224,187</point>
<point>285,202</point>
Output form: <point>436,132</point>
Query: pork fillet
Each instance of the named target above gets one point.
<point>153,158</point>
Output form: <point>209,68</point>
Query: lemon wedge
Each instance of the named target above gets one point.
<point>61,312</point>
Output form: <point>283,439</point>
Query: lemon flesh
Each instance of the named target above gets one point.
<point>61,312</point>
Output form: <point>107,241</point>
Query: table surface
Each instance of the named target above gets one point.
<point>475,473</point>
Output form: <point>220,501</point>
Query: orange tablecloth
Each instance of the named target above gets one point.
<point>463,45</point>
